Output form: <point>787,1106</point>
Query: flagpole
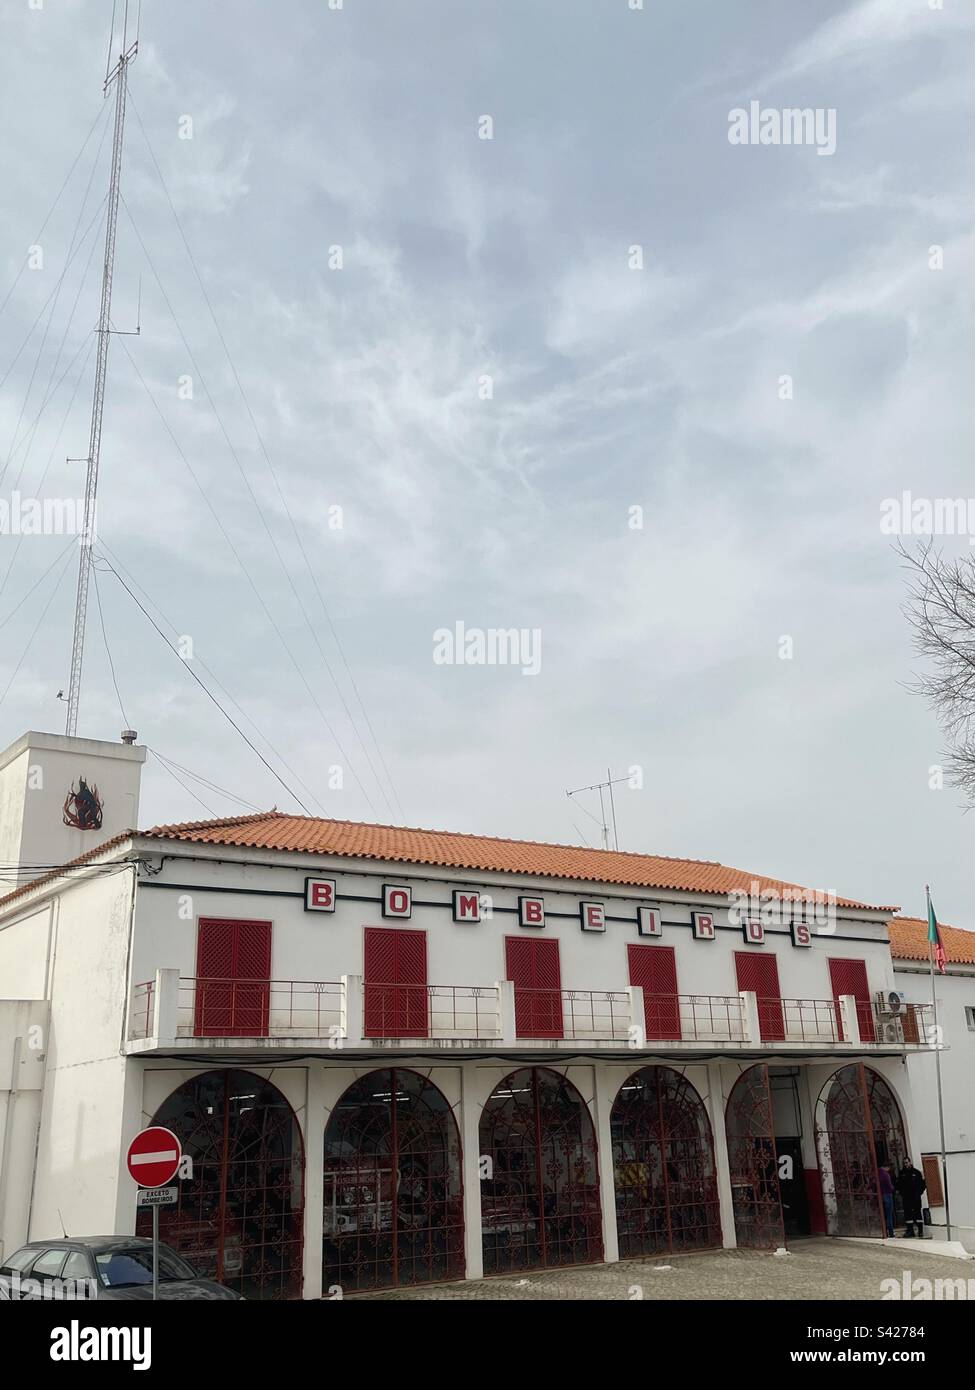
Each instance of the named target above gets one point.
<point>937,1068</point>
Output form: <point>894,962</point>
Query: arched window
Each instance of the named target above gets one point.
<point>858,1127</point>
<point>239,1220</point>
<point>663,1159</point>
<point>393,1201</point>
<point>752,1160</point>
<point>540,1192</point>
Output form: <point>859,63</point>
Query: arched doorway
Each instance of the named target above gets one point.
<point>663,1159</point>
<point>858,1127</point>
<point>753,1162</point>
<point>239,1220</point>
<point>540,1196</point>
<point>393,1198</point>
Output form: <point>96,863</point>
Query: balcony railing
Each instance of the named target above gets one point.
<point>707,1017</point>
<point>581,1015</point>
<point>353,1012</point>
<point>454,1012</point>
<point>799,1020</point>
<point>910,1024</point>
<point>141,1010</point>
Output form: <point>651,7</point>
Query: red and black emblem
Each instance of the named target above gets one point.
<point>83,808</point>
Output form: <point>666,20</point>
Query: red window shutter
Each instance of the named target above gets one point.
<point>533,966</point>
<point>654,969</point>
<point>850,977</point>
<point>759,974</point>
<point>230,952</point>
<point>395,971</point>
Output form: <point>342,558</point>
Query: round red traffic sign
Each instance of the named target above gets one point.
<point>153,1157</point>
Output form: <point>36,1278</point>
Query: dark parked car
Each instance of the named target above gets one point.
<point>102,1267</point>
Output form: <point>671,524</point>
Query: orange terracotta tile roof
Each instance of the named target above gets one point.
<point>274,830</point>
<point>909,941</point>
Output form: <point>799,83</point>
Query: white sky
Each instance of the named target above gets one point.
<point>613,388</point>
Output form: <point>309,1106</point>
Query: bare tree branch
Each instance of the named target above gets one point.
<point>940,608</point>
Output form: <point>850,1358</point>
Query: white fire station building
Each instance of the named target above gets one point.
<point>399,1056</point>
<point>955,1172</point>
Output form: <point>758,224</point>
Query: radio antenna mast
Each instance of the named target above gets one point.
<point>117,77</point>
<point>600,787</point>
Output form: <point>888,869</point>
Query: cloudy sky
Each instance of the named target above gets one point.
<point>461,421</point>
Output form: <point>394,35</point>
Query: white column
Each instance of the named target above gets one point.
<point>606,1086</point>
<point>351,1010</point>
<point>314,1141</point>
<point>165,1006</point>
<point>716,1108</point>
<point>750,1022</point>
<point>851,1022</point>
<point>638,1017</point>
<point>506,1010</point>
<point>470,1116</point>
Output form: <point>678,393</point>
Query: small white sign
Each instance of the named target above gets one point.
<point>593,916</point>
<point>703,925</point>
<point>531,912</point>
<point>319,894</point>
<point>158,1196</point>
<point>467,906</point>
<point>397,902</point>
<point>648,922</point>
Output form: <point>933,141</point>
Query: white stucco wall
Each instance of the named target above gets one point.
<point>312,946</point>
<point>23,1054</point>
<point>81,1136</point>
<point>25,944</point>
<point>955,991</point>
<point>37,773</point>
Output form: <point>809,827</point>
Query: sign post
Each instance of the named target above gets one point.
<point>153,1161</point>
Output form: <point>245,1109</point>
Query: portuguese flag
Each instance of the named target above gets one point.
<point>934,936</point>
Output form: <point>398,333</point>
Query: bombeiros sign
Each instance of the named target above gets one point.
<point>751,913</point>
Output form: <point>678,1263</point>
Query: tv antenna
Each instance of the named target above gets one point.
<point>116,77</point>
<point>601,788</point>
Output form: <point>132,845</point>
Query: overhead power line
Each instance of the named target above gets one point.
<point>209,694</point>
<point>30,641</point>
<point>218,521</point>
<point>204,781</point>
<point>215,680</point>
<point>284,502</point>
<point>53,208</point>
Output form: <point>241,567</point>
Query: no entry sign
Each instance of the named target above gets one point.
<point>154,1157</point>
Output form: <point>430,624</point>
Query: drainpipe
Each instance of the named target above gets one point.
<point>8,1134</point>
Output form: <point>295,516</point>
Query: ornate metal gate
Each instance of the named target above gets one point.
<point>540,1196</point>
<point>394,1209</point>
<point>239,1220</point>
<point>858,1127</point>
<point>663,1157</point>
<point>753,1162</point>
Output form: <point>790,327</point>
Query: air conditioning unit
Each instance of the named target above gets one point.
<point>889,1001</point>
<point>890,1030</point>
<point>889,1007</point>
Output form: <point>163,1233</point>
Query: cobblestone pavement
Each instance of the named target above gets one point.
<point>833,1269</point>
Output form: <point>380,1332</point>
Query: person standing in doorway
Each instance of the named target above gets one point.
<point>911,1185</point>
<point>887,1196</point>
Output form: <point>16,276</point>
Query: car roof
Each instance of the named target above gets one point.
<point>96,1243</point>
